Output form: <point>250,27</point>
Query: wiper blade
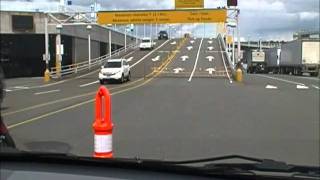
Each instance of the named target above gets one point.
<point>206,160</point>
<point>262,165</point>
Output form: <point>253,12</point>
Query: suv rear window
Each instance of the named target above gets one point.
<point>146,40</point>
<point>113,65</point>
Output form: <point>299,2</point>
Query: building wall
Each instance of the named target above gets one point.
<point>80,52</point>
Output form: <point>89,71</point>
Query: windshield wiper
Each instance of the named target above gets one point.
<point>256,165</point>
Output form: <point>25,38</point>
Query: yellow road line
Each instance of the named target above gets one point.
<point>166,63</point>
<point>66,99</point>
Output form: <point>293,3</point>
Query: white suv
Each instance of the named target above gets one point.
<point>115,69</point>
<point>146,43</point>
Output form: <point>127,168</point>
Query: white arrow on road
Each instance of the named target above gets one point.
<point>184,58</point>
<point>189,48</point>
<point>210,70</point>
<point>210,58</point>
<point>210,42</point>
<point>156,58</point>
<point>173,43</point>
<point>177,70</point>
<point>210,48</point>
<point>192,41</point>
<point>271,87</point>
<point>302,86</point>
<point>129,59</point>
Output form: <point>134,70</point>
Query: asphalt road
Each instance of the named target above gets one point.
<point>170,117</point>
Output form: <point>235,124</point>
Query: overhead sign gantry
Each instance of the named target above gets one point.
<point>163,16</point>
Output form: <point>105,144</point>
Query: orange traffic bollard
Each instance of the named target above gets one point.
<point>102,125</point>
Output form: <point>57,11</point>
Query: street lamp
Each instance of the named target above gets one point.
<point>89,27</point>
<point>109,39</point>
<point>58,50</point>
<point>46,55</point>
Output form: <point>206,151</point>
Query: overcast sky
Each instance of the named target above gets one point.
<point>269,19</point>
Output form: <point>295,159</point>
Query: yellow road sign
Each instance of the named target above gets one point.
<point>163,16</point>
<point>180,4</point>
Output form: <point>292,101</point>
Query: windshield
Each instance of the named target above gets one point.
<point>230,77</point>
<point>113,65</point>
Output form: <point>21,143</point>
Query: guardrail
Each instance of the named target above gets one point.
<point>82,66</point>
<point>226,54</point>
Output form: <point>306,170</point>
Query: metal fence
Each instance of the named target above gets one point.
<point>56,72</point>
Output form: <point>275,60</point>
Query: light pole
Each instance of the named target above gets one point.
<point>58,50</point>
<point>238,35</point>
<point>136,33</point>
<point>144,30</point>
<point>125,39</point>
<point>109,39</point>
<point>89,27</point>
<point>46,58</point>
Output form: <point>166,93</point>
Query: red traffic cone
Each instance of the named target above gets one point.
<point>102,125</point>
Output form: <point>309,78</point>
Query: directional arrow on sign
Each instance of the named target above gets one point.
<point>184,58</point>
<point>156,58</point>
<point>210,42</point>
<point>173,43</point>
<point>189,48</point>
<point>210,70</point>
<point>129,59</point>
<point>210,58</point>
<point>210,48</point>
<point>192,41</point>
<point>177,70</point>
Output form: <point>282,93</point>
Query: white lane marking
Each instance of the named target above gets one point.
<point>21,87</point>
<point>173,43</point>
<point>128,54</point>
<point>210,70</point>
<point>149,54</point>
<point>302,86</point>
<point>88,84</point>
<point>129,59</point>
<point>271,87</point>
<point>7,90</point>
<point>177,70</point>
<point>189,48</point>
<point>210,58</point>
<point>210,42</point>
<point>280,79</point>
<point>210,48</point>
<point>224,63</point>
<point>317,87</point>
<point>184,58</point>
<point>192,41</point>
<point>156,59</point>
<point>46,92</point>
<point>195,63</point>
